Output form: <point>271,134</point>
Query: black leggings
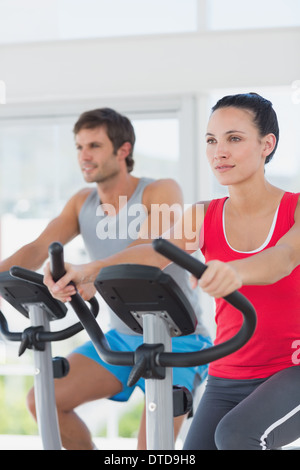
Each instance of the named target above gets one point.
<point>255,414</point>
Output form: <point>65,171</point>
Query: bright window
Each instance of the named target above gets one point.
<point>39,164</point>
<point>157,148</point>
<point>237,14</point>
<point>74,19</point>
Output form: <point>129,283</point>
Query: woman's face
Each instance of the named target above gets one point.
<point>235,149</point>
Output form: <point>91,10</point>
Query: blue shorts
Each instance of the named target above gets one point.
<point>188,377</point>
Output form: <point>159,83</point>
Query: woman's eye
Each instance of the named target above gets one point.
<point>210,141</point>
<point>235,139</point>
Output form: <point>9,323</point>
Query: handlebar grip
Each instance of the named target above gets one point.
<point>4,330</point>
<point>56,257</point>
<point>86,315</point>
<point>236,299</point>
<point>26,275</point>
<point>179,257</point>
<point>197,268</point>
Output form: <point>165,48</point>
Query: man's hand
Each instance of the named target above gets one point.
<point>75,277</point>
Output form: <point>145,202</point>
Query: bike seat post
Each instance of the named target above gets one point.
<point>159,393</point>
<point>44,385</point>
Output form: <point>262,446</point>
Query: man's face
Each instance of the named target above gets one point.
<point>96,156</point>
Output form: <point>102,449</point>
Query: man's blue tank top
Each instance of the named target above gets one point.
<point>105,235</point>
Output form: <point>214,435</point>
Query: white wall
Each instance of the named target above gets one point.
<point>149,65</point>
<point>149,72</point>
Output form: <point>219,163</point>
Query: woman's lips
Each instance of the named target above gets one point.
<point>224,168</point>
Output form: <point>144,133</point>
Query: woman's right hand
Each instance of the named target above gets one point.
<point>219,279</point>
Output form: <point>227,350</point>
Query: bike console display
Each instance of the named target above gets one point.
<point>22,293</point>
<point>133,290</point>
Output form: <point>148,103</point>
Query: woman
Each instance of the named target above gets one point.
<point>251,242</point>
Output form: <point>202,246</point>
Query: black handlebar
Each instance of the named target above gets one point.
<point>164,359</point>
<point>236,299</point>
<point>57,268</point>
<point>56,258</point>
<point>87,316</point>
<point>40,335</point>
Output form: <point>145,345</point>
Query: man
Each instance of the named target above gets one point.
<point>103,216</point>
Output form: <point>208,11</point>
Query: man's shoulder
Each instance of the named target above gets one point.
<point>79,198</point>
<point>83,193</point>
<point>162,190</point>
<point>162,183</point>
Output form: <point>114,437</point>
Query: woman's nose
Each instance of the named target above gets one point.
<point>221,150</point>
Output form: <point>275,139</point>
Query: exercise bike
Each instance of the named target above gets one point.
<point>151,303</point>
<point>26,292</point>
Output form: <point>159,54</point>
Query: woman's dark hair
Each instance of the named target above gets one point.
<point>119,129</point>
<point>265,117</point>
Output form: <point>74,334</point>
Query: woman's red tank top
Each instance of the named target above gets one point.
<point>275,344</point>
